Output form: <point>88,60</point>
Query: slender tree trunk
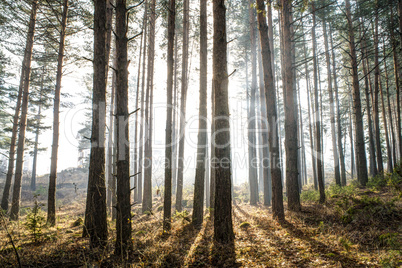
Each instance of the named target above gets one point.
<point>263,124</point>
<point>352,155</point>
<point>207,168</point>
<point>271,114</point>
<point>137,99</point>
<point>123,191</point>
<point>223,228</point>
<point>38,122</point>
<point>15,206</point>
<point>331,107</point>
<point>252,174</point>
<point>292,172</point>
<point>51,204</point>
<point>198,211</point>
<point>397,79</point>
<point>147,195</point>
<point>338,114</point>
<point>95,213</point>
<point>373,162</point>
<point>143,120</point>
<point>167,204</point>
<point>384,116</point>
<point>391,121</point>
<point>359,135</point>
<point>320,178</point>
<point>376,98</point>
<point>174,131</point>
<point>184,85</point>
<point>111,178</point>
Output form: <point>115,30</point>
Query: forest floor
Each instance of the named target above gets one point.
<point>356,227</point>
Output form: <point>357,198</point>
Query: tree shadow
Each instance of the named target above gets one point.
<point>181,245</point>
<point>325,251</point>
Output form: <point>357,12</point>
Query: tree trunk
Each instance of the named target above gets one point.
<point>137,96</point>
<point>270,106</point>
<point>51,203</point>
<point>111,190</point>
<point>376,98</point>
<point>198,211</point>
<point>397,80</point>
<point>95,213</point>
<point>147,195</point>
<point>292,187</point>
<point>359,135</point>
<point>390,167</point>
<point>263,126</point>
<point>320,178</point>
<point>373,162</point>
<point>143,120</point>
<point>223,228</point>
<point>352,155</point>
<point>15,206</point>
<point>338,114</point>
<point>38,118</point>
<point>167,204</point>
<point>174,131</point>
<point>184,85</point>
<point>123,191</point>
<point>331,107</point>
<point>252,173</point>
<point>207,168</point>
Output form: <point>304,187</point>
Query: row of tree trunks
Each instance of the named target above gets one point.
<point>317,144</point>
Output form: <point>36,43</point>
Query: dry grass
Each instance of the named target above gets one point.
<point>315,237</point>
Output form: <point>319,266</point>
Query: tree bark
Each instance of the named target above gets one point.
<point>167,204</point>
<point>123,191</point>
<point>51,203</point>
<point>183,101</point>
<point>292,184</point>
<point>95,213</point>
<point>15,206</point>
<point>270,106</point>
<point>147,195</point>
<point>358,118</point>
<point>397,81</point>
<point>198,210</point>
<point>376,98</point>
<point>223,228</point>
<point>252,173</point>
<point>143,120</point>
